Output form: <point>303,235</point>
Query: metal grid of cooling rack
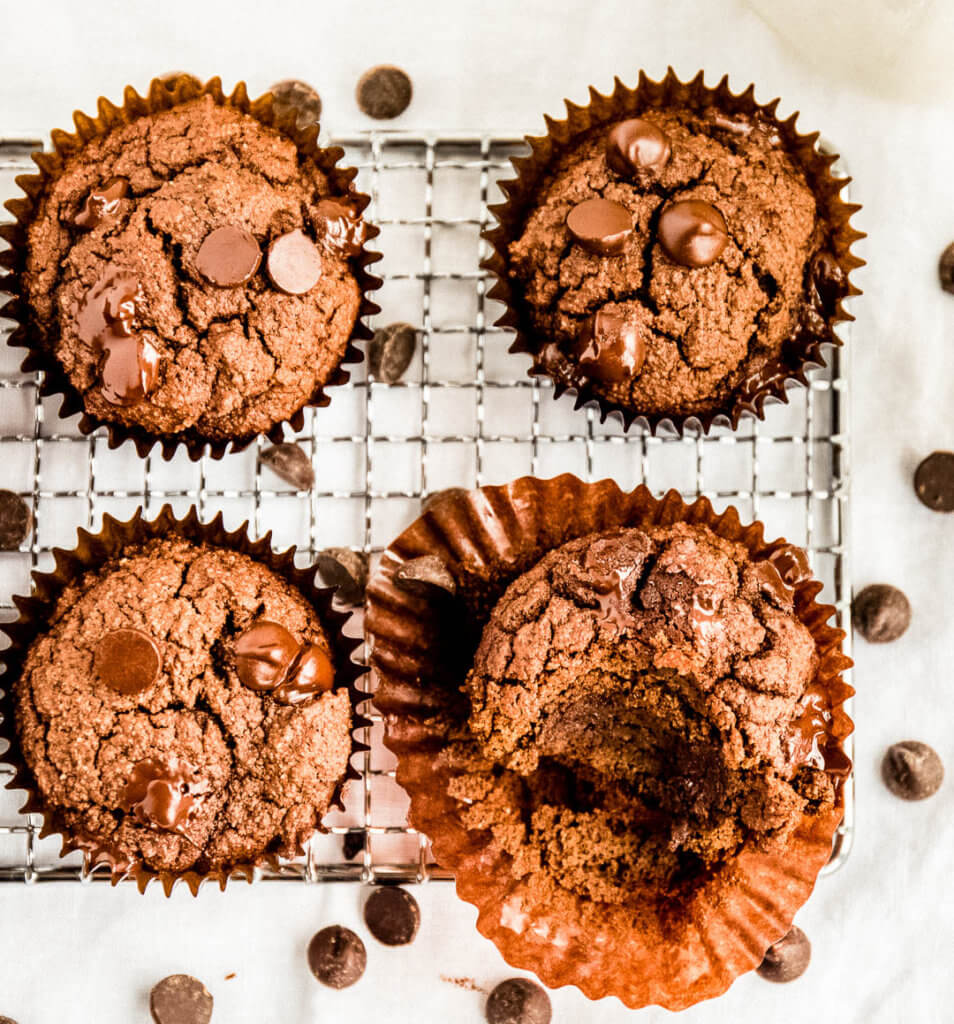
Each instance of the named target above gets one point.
<point>464,414</point>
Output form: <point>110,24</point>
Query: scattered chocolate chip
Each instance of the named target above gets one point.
<point>934,481</point>
<point>127,660</point>
<point>945,269</point>
<point>392,915</point>
<point>391,351</point>
<point>352,843</point>
<point>341,229</point>
<point>228,256</point>
<point>164,793</point>
<point>294,263</point>
<point>692,232</point>
<point>786,959</point>
<point>337,956</point>
<point>426,575</point>
<point>600,226</point>
<point>383,92</point>
<point>881,613</point>
<point>518,1001</point>
<point>291,463</point>
<point>345,569</point>
<point>101,204</point>
<point>610,348</point>
<point>438,496</point>
<point>180,999</point>
<point>635,146</point>
<point>16,521</point>
<point>291,95</point>
<point>912,770</point>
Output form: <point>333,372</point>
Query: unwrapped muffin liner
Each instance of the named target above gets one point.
<point>488,537</point>
<point>162,95</point>
<point>532,169</point>
<point>92,551</point>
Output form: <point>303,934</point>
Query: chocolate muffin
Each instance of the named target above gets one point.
<point>642,700</point>
<point>181,711</point>
<point>194,272</point>
<point>673,254</point>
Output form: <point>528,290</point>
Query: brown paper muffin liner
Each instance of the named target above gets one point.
<point>92,551</point>
<point>164,93</point>
<point>488,537</point>
<point>623,102</point>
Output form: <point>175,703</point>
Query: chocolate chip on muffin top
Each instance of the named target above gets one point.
<point>186,272</point>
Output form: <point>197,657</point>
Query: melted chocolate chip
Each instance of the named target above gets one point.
<point>291,95</point>
<point>345,569</point>
<point>934,482</point>
<point>600,226</point>
<point>109,307</point>
<point>610,348</point>
<point>291,463</point>
<point>392,915</point>
<point>782,571</point>
<point>294,263</point>
<point>310,673</point>
<point>129,369</point>
<point>828,280</point>
<point>391,351</point>
<point>636,146</point>
<point>337,956</point>
<point>163,793</point>
<point>518,1001</point>
<point>384,92</point>
<point>427,575</point>
<point>786,959</point>
<point>180,999</point>
<point>692,233</point>
<point>268,659</point>
<point>881,613</point>
<point>945,269</point>
<point>16,521</point>
<point>912,770</point>
<point>127,660</point>
<point>228,256</point>
<point>101,204</point>
<point>341,229</point>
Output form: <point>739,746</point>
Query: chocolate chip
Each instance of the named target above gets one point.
<point>294,263</point>
<point>518,1001</point>
<point>392,915</point>
<point>127,660</point>
<point>788,958</point>
<point>101,204</point>
<point>391,351</point>
<point>268,659</point>
<point>692,232</point>
<point>228,256</point>
<point>912,770</point>
<point>345,569</point>
<point>180,999</point>
<point>426,575</point>
<point>881,613</point>
<point>934,481</point>
<point>341,229</point>
<point>164,793</point>
<point>352,843</point>
<point>291,463</point>
<point>383,92</point>
<point>337,956</point>
<point>635,146</point>
<point>610,348</point>
<point>600,226</point>
<point>129,370</point>
<point>300,97</point>
<point>16,521</point>
<point>945,269</point>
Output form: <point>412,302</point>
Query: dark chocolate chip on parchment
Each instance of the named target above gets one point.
<point>912,770</point>
<point>934,481</point>
<point>881,613</point>
<point>384,92</point>
<point>392,915</point>
<point>180,999</point>
<point>786,959</point>
<point>337,956</point>
<point>518,1001</point>
<point>293,95</point>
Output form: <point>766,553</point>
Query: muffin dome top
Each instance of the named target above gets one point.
<point>190,271</point>
<point>675,262</point>
<point>181,711</point>
<point>649,695</point>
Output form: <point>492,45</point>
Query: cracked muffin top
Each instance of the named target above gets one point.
<point>675,264</point>
<point>192,272</point>
<point>181,711</point>
<point>643,704</point>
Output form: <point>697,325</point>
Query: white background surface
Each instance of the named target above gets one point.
<point>882,928</point>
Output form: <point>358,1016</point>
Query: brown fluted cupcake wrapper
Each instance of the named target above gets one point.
<point>164,93</point>
<point>91,552</point>
<point>523,191</point>
<point>420,653</point>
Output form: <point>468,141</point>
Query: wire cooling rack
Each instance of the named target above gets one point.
<point>464,414</point>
